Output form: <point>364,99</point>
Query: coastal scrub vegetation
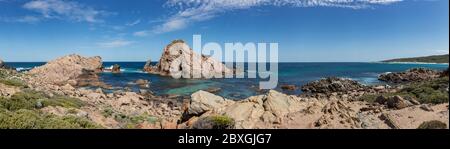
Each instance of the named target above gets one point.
<point>21,111</point>
<point>29,99</point>
<point>130,121</point>
<point>13,82</point>
<point>433,125</point>
<point>433,91</point>
<point>32,119</point>
<point>215,122</point>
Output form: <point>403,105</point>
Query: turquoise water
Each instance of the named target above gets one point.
<point>289,73</point>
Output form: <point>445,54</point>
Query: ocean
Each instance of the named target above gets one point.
<point>288,74</point>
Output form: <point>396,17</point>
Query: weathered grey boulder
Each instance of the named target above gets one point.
<point>202,102</point>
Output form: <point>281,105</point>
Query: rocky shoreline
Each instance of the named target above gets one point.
<point>67,93</point>
<point>327,103</point>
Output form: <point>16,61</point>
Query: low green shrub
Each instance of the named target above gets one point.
<point>432,91</point>
<point>32,119</point>
<point>28,99</point>
<point>214,122</point>
<point>63,101</point>
<point>433,125</point>
<point>13,82</point>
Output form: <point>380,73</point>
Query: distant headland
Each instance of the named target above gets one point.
<point>424,59</point>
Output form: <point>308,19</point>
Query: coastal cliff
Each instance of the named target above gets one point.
<point>425,59</point>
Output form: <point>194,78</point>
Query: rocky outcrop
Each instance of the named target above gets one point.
<point>445,73</point>
<point>270,108</point>
<point>68,69</point>
<point>148,66</point>
<point>179,57</point>
<point>412,75</point>
<point>396,102</point>
<point>115,69</point>
<point>142,83</point>
<point>331,85</point>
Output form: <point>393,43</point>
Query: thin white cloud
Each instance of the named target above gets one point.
<point>62,9</point>
<point>441,51</point>
<point>24,19</point>
<point>115,43</point>
<point>133,23</point>
<point>141,33</point>
<point>28,19</point>
<point>190,11</point>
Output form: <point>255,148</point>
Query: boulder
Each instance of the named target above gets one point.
<point>66,68</point>
<point>115,68</point>
<point>331,85</point>
<point>148,66</point>
<point>180,58</point>
<point>213,89</point>
<point>142,83</point>
<point>395,102</point>
<point>412,75</point>
<point>277,103</point>
<point>398,102</point>
<point>202,102</point>
<point>245,114</point>
<point>288,87</point>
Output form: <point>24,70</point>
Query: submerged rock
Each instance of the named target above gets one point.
<point>178,59</point>
<point>412,75</point>
<point>288,87</point>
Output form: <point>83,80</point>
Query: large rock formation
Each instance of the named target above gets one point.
<point>415,74</point>
<point>179,57</point>
<point>68,69</point>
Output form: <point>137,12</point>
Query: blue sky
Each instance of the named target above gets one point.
<point>306,30</point>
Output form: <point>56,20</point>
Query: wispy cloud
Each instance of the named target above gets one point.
<point>115,43</point>
<point>28,19</point>
<point>62,9</point>
<point>133,23</point>
<point>24,19</point>
<point>441,51</point>
<point>191,11</point>
<point>141,33</point>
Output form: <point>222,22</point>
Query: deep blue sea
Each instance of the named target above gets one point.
<point>289,73</point>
